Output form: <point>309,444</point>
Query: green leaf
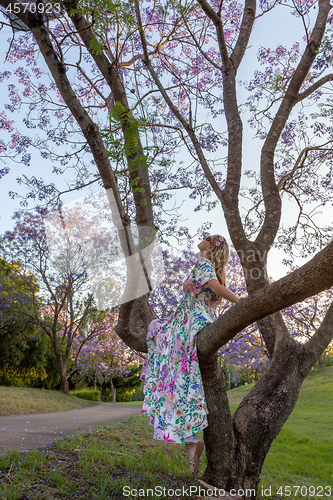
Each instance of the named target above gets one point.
<point>95,47</point>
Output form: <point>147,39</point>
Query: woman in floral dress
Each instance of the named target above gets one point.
<point>174,396</point>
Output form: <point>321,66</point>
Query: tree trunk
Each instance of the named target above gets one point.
<point>113,391</point>
<point>64,385</point>
<point>103,392</point>
<point>237,447</point>
<point>95,379</point>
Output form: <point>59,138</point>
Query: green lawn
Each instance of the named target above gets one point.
<point>22,400</point>
<point>302,454</point>
<point>99,464</point>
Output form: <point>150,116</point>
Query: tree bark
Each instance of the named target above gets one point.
<point>113,391</point>
<point>321,362</point>
<point>103,391</point>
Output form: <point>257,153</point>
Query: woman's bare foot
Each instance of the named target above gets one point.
<point>194,458</point>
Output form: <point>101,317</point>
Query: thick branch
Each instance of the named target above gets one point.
<point>135,158</point>
<point>315,86</point>
<point>271,196</point>
<point>174,109</point>
<point>244,34</point>
<point>235,128</point>
<point>319,341</point>
<point>308,280</point>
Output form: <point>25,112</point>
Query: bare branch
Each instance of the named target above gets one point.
<point>300,162</point>
<point>197,44</point>
<point>315,86</point>
<point>319,341</point>
<point>216,18</point>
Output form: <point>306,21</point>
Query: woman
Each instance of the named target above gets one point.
<point>174,395</point>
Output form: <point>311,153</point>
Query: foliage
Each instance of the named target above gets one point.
<point>105,356</point>
<point>23,352</point>
<point>58,302</point>
<point>88,394</point>
<point>21,377</point>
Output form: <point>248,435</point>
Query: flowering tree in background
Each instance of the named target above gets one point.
<point>106,356</point>
<point>133,81</point>
<point>59,301</point>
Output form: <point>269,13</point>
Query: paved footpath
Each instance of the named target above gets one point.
<point>31,430</point>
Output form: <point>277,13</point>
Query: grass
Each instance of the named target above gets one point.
<point>302,453</point>
<point>138,403</point>
<point>99,464</point>
<point>15,400</point>
<point>95,466</point>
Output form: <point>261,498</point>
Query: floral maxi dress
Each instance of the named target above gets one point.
<point>174,396</point>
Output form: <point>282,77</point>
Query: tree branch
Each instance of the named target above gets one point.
<point>315,86</point>
<point>271,195</point>
<point>319,341</point>
<point>216,18</point>
<point>299,164</point>
<point>174,109</point>
<point>244,34</point>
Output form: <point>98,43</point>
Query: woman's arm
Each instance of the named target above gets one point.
<point>222,291</point>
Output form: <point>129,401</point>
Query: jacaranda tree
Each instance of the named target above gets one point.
<point>130,83</point>
<point>106,356</point>
<point>58,301</point>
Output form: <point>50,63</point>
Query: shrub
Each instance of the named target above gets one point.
<point>125,394</point>
<point>89,394</point>
<point>21,377</point>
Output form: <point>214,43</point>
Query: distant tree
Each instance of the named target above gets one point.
<point>58,299</point>
<point>22,348</point>
<point>106,356</point>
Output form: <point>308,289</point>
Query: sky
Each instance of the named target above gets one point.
<point>267,32</point>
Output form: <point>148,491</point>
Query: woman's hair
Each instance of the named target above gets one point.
<point>219,258</point>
